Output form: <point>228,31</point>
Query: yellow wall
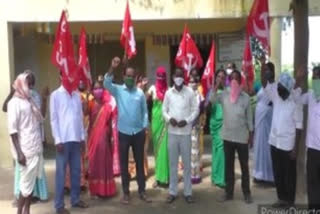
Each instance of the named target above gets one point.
<point>6,62</point>
<point>95,10</point>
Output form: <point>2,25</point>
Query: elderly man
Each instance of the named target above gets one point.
<point>284,136</point>
<point>312,99</point>
<point>24,118</point>
<point>237,132</point>
<point>180,109</point>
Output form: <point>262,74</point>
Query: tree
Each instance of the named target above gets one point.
<point>300,10</point>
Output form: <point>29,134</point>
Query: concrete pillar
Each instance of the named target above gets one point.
<point>7,75</point>
<point>275,40</point>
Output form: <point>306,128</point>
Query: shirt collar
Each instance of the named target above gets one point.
<point>62,89</point>
<point>126,88</point>
<point>175,90</point>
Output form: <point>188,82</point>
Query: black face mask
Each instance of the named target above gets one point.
<point>283,92</point>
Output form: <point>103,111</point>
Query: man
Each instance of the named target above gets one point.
<point>66,117</point>
<point>24,118</point>
<point>132,123</point>
<point>237,132</point>
<point>262,171</point>
<point>180,109</point>
<point>85,98</point>
<point>284,136</point>
<point>40,191</point>
<point>312,99</point>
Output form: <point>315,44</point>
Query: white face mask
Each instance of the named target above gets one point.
<point>229,71</point>
<point>178,81</point>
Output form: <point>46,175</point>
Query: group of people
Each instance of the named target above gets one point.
<point>94,130</point>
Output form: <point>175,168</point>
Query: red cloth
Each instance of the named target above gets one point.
<point>63,56</point>
<point>247,65</point>
<point>127,39</point>
<point>188,56</point>
<point>161,83</point>
<point>84,67</point>
<point>208,74</point>
<point>258,23</point>
<point>102,142</point>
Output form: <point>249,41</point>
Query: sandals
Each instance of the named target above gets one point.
<point>81,205</point>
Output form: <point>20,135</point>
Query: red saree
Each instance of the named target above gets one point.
<point>103,147</point>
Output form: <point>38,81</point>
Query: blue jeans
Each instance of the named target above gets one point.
<point>70,155</point>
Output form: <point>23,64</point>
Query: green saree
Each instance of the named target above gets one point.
<point>160,143</point>
<point>218,164</point>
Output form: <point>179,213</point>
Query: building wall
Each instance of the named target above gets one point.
<point>202,16</point>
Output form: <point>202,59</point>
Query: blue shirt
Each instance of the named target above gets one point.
<point>132,107</point>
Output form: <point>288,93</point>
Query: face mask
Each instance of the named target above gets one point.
<point>97,93</point>
<point>235,90</point>
<point>129,81</point>
<point>229,71</point>
<point>82,87</point>
<point>194,86</point>
<point>283,92</point>
<point>178,81</point>
<point>316,88</point>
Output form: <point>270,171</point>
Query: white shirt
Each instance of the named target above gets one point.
<point>313,130</point>
<point>66,116</point>
<point>287,117</point>
<point>180,105</point>
<point>22,121</point>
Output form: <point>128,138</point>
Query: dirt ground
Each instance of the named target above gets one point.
<point>205,194</point>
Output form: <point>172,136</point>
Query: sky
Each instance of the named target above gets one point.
<point>314,43</point>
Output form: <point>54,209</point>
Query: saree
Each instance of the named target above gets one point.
<point>101,146</point>
<point>218,161</point>
<point>263,170</point>
<point>159,134</point>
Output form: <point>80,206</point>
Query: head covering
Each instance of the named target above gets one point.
<point>22,91</point>
<point>287,81</point>
<point>161,83</point>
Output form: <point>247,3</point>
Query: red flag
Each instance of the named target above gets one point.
<point>84,67</point>
<point>258,23</point>
<point>127,39</point>
<point>247,66</point>
<point>208,74</point>
<point>63,56</point>
<point>188,56</point>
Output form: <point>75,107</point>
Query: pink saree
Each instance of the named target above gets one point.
<point>103,155</point>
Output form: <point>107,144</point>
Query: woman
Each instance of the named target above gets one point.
<point>159,131</point>
<point>102,143</point>
<point>263,170</point>
<point>195,135</point>
<point>216,121</point>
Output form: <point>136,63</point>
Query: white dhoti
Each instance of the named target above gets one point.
<point>29,174</point>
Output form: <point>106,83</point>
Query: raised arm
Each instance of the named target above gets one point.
<point>108,78</point>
